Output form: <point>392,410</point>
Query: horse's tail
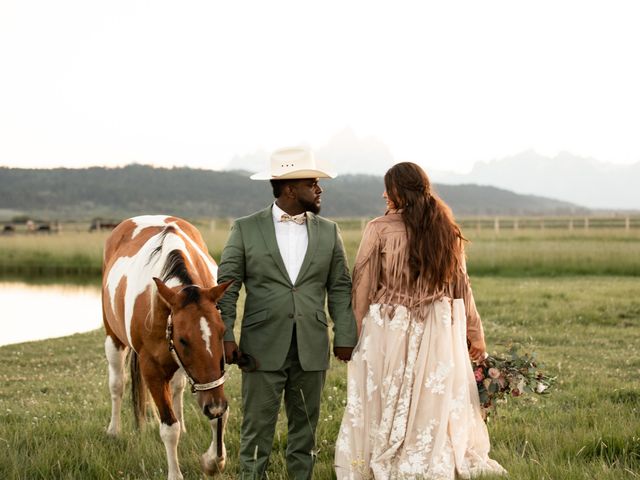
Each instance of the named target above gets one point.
<point>138,391</point>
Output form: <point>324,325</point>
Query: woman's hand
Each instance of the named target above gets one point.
<point>477,350</point>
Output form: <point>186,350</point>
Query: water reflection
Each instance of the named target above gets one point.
<point>35,312</point>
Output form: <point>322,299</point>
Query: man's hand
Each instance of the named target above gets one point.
<point>231,352</point>
<point>343,353</point>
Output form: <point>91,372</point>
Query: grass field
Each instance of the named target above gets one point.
<point>531,252</point>
<point>573,297</point>
<point>54,400</point>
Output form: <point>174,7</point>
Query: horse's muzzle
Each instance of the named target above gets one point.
<point>215,410</point>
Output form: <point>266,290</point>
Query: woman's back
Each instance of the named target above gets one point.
<point>381,273</point>
<point>412,405</point>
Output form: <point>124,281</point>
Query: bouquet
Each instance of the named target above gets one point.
<point>514,375</point>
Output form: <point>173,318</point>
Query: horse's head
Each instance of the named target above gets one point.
<point>195,332</point>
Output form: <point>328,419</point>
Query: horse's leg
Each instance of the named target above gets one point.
<point>214,459</point>
<point>178,382</point>
<point>115,352</point>
<point>169,424</point>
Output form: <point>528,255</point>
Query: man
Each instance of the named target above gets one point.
<point>290,261</point>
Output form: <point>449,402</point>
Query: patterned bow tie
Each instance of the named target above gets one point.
<point>299,219</point>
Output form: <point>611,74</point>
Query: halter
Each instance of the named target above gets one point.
<point>195,387</point>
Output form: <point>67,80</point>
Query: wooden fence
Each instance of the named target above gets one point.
<point>585,223</point>
<point>497,224</point>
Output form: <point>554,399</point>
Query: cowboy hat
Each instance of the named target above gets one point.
<point>293,163</point>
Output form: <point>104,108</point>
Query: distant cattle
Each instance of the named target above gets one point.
<point>8,230</point>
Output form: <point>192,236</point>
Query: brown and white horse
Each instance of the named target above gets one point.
<point>159,298</point>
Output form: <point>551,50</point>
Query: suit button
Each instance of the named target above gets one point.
<point>291,315</point>
<point>294,289</point>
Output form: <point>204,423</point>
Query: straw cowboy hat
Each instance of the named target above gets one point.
<point>294,163</point>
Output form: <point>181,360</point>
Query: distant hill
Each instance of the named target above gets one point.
<point>136,189</point>
<point>584,181</point>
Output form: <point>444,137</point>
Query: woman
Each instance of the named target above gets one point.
<point>412,404</point>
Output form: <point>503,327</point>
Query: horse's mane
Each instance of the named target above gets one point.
<point>175,266</point>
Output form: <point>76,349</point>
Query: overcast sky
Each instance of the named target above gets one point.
<point>194,83</point>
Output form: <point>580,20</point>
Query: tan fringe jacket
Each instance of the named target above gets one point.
<point>382,268</point>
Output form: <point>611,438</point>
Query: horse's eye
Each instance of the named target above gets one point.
<point>183,342</point>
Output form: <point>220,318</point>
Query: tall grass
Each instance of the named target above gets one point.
<point>535,252</point>
<point>511,253</point>
<point>69,253</point>
<point>54,399</point>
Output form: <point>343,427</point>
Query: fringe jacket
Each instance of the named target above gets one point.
<point>381,273</point>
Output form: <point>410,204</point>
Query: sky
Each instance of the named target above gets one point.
<point>444,84</point>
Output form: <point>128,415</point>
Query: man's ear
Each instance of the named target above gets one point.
<point>215,293</point>
<point>167,295</point>
<point>290,190</point>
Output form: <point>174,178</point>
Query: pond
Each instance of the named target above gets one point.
<point>35,312</point>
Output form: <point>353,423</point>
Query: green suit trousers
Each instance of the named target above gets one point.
<point>261,398</point>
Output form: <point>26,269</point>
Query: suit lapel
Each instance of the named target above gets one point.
<point>312,233</point>
<point>268,231</point>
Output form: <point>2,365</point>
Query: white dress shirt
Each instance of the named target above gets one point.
<point>292,242</point>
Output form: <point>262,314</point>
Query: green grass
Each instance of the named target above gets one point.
<point>507,253</point>
<point>535,252</point>
<point>54,400</point>
<point>66,253</point>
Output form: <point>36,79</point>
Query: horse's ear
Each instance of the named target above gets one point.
<point>215,293</point>
<point>167,295</point>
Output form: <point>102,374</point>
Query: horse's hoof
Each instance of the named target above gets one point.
<point>212,467</point>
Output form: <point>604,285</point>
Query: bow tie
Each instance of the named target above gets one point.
<point>299,219</point>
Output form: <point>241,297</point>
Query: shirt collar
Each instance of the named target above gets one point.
<point>277,212</point>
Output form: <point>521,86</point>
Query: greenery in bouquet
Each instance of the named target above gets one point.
<point>512,375</point>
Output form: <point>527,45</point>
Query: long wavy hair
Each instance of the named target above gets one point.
<point>435,239</point>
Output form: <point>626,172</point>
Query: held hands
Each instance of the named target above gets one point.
<point>343,353</point>
<point>477,350</point>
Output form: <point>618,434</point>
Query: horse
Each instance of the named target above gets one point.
<point>159,294</point>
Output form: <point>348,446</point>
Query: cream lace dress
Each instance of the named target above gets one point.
<point>412,405</point>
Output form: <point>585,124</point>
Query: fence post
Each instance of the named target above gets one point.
<point>515,225</point>
<point>571,224</point>
<point>627,224</point>
<point>586,223</point>
<point>496,225</point>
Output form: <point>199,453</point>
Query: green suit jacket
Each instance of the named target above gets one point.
<point>274,304</point>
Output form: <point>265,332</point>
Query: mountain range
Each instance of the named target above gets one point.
<point>579,180</point>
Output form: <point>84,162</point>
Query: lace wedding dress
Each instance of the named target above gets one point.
<point>413,410</point>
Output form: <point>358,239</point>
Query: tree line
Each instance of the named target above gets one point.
<point>85,193</point>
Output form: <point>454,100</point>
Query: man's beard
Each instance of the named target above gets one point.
<point>310,207</point>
